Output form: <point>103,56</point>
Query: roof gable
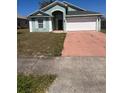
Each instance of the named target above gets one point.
<point>39,13</point>
<point>70,10</point>
<point>52,5</point>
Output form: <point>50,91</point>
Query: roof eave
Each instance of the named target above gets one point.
<point>83,15</point>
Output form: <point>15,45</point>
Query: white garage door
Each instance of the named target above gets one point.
<point>81,23</point>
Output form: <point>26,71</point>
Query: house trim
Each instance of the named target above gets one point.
<point>30,25</point>
<point>98,24</point>
<point>64,28</point>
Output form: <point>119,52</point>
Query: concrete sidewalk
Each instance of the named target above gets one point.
<point>75,74</point>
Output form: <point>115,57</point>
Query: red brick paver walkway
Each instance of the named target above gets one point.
<point>83,43</point>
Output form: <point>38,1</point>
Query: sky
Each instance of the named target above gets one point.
<point>26,7</point>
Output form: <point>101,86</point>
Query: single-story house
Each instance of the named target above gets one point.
<point>63,16</point>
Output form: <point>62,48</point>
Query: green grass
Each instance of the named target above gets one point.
<point>34,84</point>
<point>103,31</point>
<point>39,43</point>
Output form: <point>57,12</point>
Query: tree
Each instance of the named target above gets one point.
<point>44,3</point>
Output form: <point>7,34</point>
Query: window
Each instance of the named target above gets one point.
<point>40,23</point>
<point>33,19</point>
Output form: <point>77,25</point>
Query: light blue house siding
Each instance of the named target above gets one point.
<point>46,24</point>
<point>35,27</point>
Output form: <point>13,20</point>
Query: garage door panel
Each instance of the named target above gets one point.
<point>81,19</point>
<point>81,26</point>
<point>81,23</point>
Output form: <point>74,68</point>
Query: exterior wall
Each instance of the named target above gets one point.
<point>98,24</point>
<point>50,25</point>
<point>34,25</point>
<point>30,25</point>
<point>58,8</point>
<point>81,23</point>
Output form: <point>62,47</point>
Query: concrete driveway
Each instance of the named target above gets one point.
<point>75,74</point>
<point>85,43</point>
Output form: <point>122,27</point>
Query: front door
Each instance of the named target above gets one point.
<point>57,20</point>
<point>60,24</point>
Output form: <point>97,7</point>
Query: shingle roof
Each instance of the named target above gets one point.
<point>73,6</point>
<point>81,12</point>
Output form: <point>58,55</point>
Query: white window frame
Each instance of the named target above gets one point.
<point>42,23</point>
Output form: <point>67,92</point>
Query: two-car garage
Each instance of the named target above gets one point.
<point>82,23</point>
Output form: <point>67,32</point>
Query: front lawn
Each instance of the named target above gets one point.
<point>34,84</point>
<point>39,43</point>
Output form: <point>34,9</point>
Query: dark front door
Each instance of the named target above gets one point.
<point>57,20</point>
<point>60,24</point>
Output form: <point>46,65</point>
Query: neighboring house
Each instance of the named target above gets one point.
<point>22,22</point>
<point>64,16</point>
